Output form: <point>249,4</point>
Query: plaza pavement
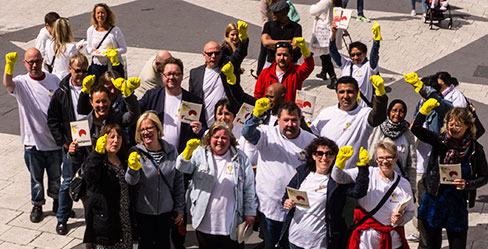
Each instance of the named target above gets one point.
<point>177,25</point>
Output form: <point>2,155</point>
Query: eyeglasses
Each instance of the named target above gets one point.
<point>209,54</point>
<point>356,54</point>
<point>80,71</point>
<point>31,63</point>
<point>322,153</point>
<point>168,75</point>
<point>386,158</point>
<point>148,129</point>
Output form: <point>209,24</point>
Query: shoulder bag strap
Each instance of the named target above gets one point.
<point>105,36</point>
<point>368,103</point>
<point>157,168</point>
<point>380,204</point>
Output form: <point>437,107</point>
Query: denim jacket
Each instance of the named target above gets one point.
<point>435,120</point>
<point>201,167</point>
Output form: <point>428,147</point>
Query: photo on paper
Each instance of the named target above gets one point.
<point>244,112</point>
<point>189,111</point>
<point>80,130</point>
<point>300,197</point>
<point>306,102</point>
<point>449,172</point>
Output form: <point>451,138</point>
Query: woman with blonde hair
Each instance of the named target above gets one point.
<point>60,49</point>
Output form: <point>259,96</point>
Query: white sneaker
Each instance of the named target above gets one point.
<point>413,237</point>
<point>413,13</point>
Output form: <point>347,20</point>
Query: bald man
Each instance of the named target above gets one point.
<point>33,92</point>
<point>210,84</point>
<point>150,74</point>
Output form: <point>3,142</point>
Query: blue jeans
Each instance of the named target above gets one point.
<point>424,5</point>
<point>65,202</point>
<point>360,6</point>
<point>37,161</point>
<point>412,4</point>
<point>271,230</point>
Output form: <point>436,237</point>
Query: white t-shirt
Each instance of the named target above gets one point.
<point>61,63</point>
<point>75,95</point>
<point>114,40</point>
<point>423,154</point>
<point>41,40</point>
<point>344,128</point>
<point>172,123</point>
<point>455,96</point>
<point>33,98</point>
<point>361,74</point>
<point>213,91</point>
<point>308,228</point>
<point>221,204</point>
<point>278,158</point>
<point>280,76</point>
<point>377,188</point>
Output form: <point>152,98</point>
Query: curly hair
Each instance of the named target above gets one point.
<point>312,148</point>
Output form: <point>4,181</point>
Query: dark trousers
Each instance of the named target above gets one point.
<point>271,230</point>
<point>154,230</point>
<point>433,236</point>
<point>178,239</point>
<point>327,66</point>
<point>210,241</point>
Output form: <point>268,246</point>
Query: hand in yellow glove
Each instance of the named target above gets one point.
<point>133,83</point>
<point>376,32</point>
<point>413,79</point>
<point>191,146</point>
<point>88,82</point>
<point>428,106</point>
<point>343,155</point>
<point>378,84</point>
<point>122,85</point>
<point>300,43</point>
<point>112,56</point>
<point>363,157</point>
<point>242,28</point>
<point>261,106</point>
<point>133,161</point>
<point>101,144</point>
<point>10,60</point>
<point>228,70</point>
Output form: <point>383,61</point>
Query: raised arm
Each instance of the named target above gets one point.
<point>380,102</point>
<point>10,59</point>
<point>250,131</point>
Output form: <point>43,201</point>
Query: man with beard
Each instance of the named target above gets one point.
<point>280,152</point>
<point>284,71</point>
<point>150,74</point>
<point>62,111</point>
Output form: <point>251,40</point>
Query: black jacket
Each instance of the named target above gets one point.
<point>234,93</point>
<point>102,204</point>
<point>153,99</point>
<point>335,210</point>
<point>477,161</point>
<point>61,112</point>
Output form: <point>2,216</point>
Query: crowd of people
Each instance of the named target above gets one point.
<point>146,172</point>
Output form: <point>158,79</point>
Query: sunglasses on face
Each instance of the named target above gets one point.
<point>356,54</point>
<point>322,153</point>
<point>80,70</point>
<point>209,54</point>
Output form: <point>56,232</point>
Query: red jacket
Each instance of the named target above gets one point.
<point>292,80</point>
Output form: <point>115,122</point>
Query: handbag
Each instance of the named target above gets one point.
<point>77,186</point>
<point>320,35</point>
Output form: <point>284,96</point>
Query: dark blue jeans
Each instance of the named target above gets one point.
<point>154,230</point>
<point>360,6</point>
<point>65,202</point>
<point>37,161</point>
<point>271,230</point>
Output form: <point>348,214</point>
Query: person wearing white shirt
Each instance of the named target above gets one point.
<point>33,92</point>
<point>280,153</point>
<point>60,49</point>
<point>349,123</point>
<point>385,226</point>
<point>45,33</point>
<point>449,91</point>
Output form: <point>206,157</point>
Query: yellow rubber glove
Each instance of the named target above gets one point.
<point>242,28</point>
<point>363,157</point>
<point>413,79</point>
<point>121,85</point>
<point>191,146</point>
<point>376,32</point>
<point>133,161</point>
<point>10,60</point>
<point>378,84</point>
<point>88,82</point>
<point>300,43</point>
<point>228,70</point>
<point>343,155</point>
<point>101,144</point>
<point>428,106</point>
<point>112,56</point>
<point>261,106</point>
<point>133,83</point>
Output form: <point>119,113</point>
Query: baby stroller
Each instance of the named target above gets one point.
<point>438,13</point>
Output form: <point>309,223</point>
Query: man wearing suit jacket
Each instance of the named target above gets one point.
<point>210,83</point>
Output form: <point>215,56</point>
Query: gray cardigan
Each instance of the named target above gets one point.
<point>152,194</point>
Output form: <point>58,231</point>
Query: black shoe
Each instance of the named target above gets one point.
<point>62,228</point>
<point>72,213</point>
<point>322,75</point>
<point>332,84</point>
<point>55,205</point>
<point>36,214</point>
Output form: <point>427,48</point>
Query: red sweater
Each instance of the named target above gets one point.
<point>292,80</point>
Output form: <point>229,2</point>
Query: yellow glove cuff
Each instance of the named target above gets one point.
<point>10,60</point>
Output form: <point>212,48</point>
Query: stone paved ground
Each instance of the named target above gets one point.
<point>177,25</point>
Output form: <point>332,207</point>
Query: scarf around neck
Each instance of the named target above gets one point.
<point>394,130</point>
<point>457,148</point>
